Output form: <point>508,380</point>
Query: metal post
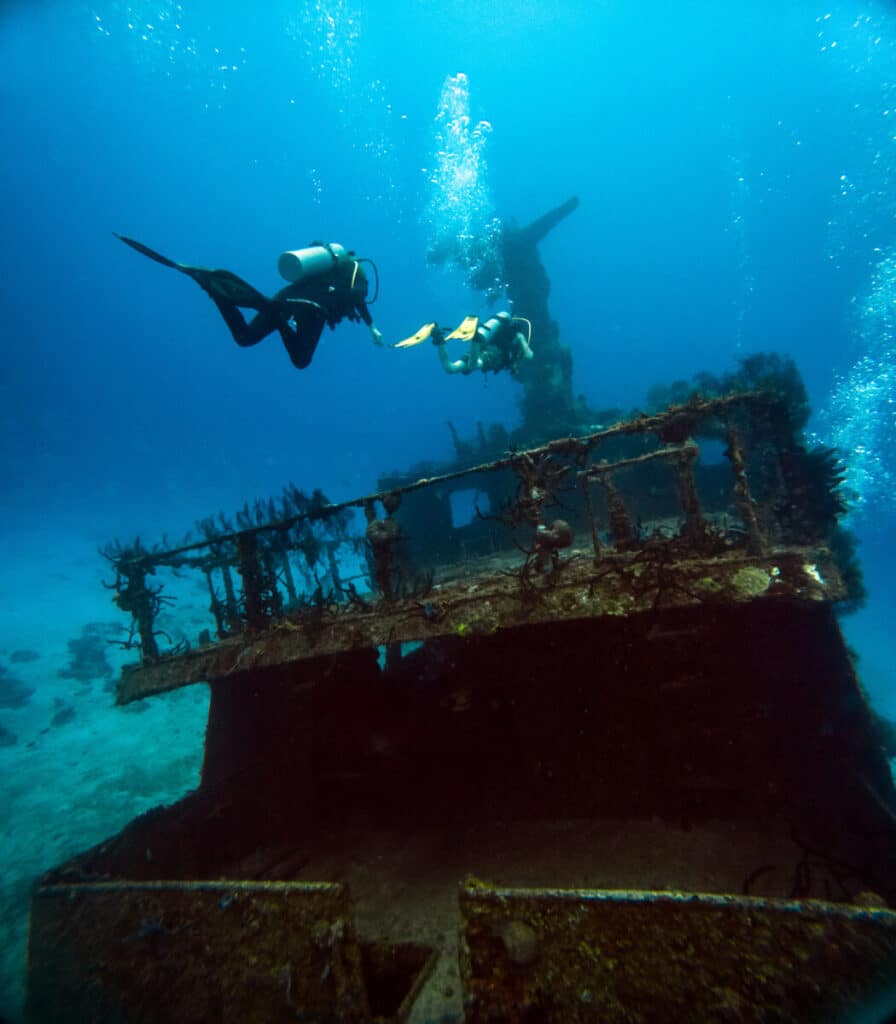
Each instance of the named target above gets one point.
<point>251,573</point>
<point>620,524</point>
<point>694,523</point>
<point>742,497</point>
<point>382,535</point>
<point>231,607</point>
<point>137,599</point>
<point>592,517</point>
<point>214,604</point>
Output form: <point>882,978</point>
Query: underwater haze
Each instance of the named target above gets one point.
<point>736,170</point>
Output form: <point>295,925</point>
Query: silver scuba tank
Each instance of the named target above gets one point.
<point>492,326</point>
<point>297,264</point>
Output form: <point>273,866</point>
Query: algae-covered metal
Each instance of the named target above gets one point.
<point>617,957</point>
<point>621,584</point>
<point>237,952</point>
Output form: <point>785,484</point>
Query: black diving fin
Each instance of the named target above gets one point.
<point>220,284</point>
<point>151,253</point>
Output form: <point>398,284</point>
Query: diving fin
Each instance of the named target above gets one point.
<point>220,284</point>
<point>416,339</point>
<point>465,330</point>
<point>145,249</point>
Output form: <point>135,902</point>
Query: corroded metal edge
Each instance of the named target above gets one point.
<point>331,889</point>
<point>618,585</point>
<point>484,892</point>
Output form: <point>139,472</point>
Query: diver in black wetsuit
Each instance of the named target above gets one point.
<point>327,285</point>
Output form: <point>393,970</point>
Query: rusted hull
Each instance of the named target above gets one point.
<point>565,956</point>
<point>177,952</point>
<point>170,952</point>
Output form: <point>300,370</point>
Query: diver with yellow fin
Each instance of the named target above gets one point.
<point>498,344</point>
<point>327,284</point>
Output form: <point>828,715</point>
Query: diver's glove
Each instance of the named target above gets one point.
<point>377,336</point>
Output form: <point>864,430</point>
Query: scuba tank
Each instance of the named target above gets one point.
<point>503,333</point>
<point>298,264</point>
<point>492,326</point>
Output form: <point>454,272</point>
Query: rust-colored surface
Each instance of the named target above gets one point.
<point>618,585</point>
<point>172,952</point>
<point>566,956</point>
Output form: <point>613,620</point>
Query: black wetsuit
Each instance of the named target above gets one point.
<point>309,304</point>
<point>327,298</point>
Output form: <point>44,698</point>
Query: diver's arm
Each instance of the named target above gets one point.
<point>524,347</point>
<point>363,311</point>
<point>451,365</point>
<point>475,360</point>
<point>364,314</point>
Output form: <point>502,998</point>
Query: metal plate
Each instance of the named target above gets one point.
<point>194,951</point>
<point>612,956</point>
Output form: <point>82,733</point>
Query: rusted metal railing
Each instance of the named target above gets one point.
<point>395,543</point>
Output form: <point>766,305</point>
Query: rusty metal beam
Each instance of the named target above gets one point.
<point>571,445</point>
<point>622,584</point>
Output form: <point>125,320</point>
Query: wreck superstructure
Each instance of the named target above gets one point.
<point>567,734</point>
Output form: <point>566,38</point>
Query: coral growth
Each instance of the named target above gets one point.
<point>63,713</point>
<point>13,692</point>
<point>24,654</point>
<point>87,653</point>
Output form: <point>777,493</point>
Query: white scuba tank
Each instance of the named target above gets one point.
<point>297,264</point>
<point>492,325</point>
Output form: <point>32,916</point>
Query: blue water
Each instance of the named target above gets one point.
<point>709,153</point>
<point>735,164</point>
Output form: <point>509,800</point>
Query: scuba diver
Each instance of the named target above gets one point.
<point>506,260</point>
<point>498,344</point>
<point>327,285</point>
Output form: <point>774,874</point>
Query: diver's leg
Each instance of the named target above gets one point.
<point>302,343</point>
<point>218,284</point>
<point>258,328</point>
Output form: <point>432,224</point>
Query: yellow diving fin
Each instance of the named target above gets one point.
<point>465,330</point>
<point>415,339</point>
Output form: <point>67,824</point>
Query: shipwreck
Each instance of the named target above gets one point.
<point>561,733</point>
